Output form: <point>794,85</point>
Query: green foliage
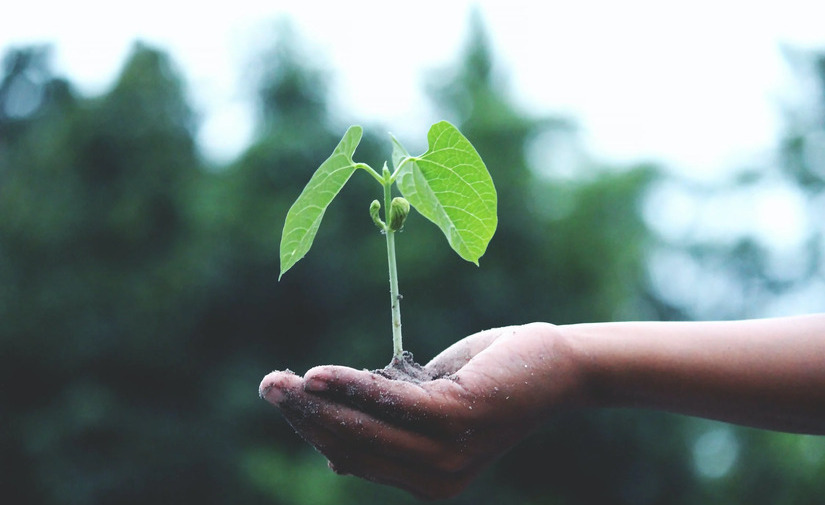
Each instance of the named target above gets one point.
<point>305,215</point>
<point>450,186</point>
<point>139,311</point>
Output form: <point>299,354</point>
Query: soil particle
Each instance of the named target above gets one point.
<point>406,369</point>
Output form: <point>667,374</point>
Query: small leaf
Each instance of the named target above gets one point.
<point>375,206</point>
<point>450,186</point>
<point>304,217</point>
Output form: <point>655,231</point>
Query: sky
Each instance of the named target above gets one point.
<point>699,86</point>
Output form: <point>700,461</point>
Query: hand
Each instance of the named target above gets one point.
<point>433,438</point>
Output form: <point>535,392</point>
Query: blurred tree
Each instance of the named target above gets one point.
<point>756,246</point>
<point>99,289</point>
<point>803,147</point>
<point>23,90</point>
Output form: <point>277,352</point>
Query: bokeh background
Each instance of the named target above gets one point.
<point>139,302</point>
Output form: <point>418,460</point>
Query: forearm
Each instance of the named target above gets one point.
<point>763,373</point>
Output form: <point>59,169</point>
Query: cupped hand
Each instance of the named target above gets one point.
<point>492,389</point>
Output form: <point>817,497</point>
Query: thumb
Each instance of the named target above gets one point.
<point>455,357</point>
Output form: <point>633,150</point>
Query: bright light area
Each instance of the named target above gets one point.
<point>696,85</point>
<point>771,212</point>
<point>780,218</point>
<point>706,292</point>
<point>715,452</point>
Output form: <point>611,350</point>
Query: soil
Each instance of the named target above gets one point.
<point>406,369</point>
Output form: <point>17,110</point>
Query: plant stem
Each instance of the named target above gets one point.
<point>395,298</point>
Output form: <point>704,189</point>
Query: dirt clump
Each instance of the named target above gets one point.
<point>406,369</point>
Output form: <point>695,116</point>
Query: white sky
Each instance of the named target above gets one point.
<point>698,85</point>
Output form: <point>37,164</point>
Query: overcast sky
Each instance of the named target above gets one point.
<point>698,86</point>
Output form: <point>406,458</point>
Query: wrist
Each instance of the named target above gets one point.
<point>568,378</point>
<point>592,384</point>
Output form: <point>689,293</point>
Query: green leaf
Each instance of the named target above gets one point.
<point>398,153</point>
<point>304,217</point>
<point>450,186</point>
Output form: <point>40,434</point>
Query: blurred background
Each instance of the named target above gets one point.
<point>650,164</point>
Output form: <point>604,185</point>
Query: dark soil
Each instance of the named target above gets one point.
<point>406,369</point>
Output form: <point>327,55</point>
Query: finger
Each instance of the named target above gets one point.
<point>399,402</point>
<point>358,444</point>
<point>325,423</point>
<point>427,482</point>
<point>453,358</point>
<point>331,425</point>
<point>276,386</point>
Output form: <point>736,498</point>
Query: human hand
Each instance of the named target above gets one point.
<point>432,439</point>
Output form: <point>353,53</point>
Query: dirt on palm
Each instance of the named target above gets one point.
<point>406,369</point>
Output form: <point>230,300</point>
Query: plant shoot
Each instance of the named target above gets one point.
<point>448,184</point>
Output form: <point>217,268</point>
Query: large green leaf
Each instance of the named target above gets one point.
<point>304,217</point>
<point>450,186</point>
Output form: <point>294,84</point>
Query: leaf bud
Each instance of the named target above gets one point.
<point>399,209</point>
<point>375,206</point>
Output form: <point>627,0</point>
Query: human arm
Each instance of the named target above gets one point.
<point>497,386</point>
<point>764,373</point>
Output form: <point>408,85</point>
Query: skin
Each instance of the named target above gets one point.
<point>499,385</point>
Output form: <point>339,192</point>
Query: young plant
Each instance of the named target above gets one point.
<point>448,184</point>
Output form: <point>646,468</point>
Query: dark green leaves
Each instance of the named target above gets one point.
<point>304,217</point>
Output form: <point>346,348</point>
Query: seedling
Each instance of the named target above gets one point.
<point>448,184</point>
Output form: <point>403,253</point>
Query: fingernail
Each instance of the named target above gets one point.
<point>270,392</point>
<point>273,394</point>
<point>315,385</point>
